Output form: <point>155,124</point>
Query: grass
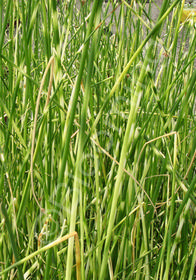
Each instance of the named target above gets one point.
<point>97,140</point>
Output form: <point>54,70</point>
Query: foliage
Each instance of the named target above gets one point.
<point>97,136</point>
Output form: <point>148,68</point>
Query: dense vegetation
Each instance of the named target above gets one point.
<point>97,140</point>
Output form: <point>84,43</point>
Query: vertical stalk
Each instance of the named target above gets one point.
<point>169,240</point>
<point>12,238</point>
<point>129,136</point>
<point>65,152</point>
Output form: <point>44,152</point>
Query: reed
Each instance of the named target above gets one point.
<point>97,140</point>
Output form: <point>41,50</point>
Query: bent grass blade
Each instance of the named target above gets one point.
<point>49,246</point>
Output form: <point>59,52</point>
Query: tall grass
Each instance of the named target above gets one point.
<point>97,136</point>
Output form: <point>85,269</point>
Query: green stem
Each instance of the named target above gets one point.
<point>66,142</point>
<point>12,238</point>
